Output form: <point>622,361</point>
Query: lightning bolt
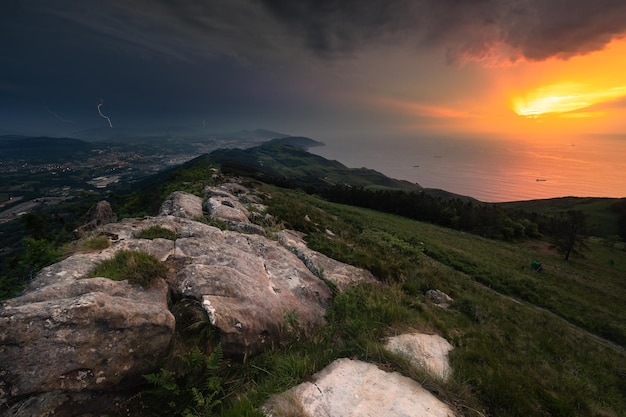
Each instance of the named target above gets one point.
<point>102,115</point>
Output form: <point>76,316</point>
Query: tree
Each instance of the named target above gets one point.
<point>569,230</point>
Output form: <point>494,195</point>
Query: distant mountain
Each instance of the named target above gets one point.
<point>296,141</point>
<point>285,162</point>
<point>130,134</point>
<point>176,134</point>
<point>257,134</point>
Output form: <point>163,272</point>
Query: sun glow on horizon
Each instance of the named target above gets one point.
<point>586,93</point>
<point>563,98</point>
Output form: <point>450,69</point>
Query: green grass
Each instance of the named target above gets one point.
<point>602,219</point>
<point>89,244</point>
<point>525,343</point>
<point>137,267</point>
<point>155,232</point>
<point>522,342</point>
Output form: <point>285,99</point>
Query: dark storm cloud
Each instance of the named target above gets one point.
<point>157,58</point>
<point>187,29</point>
<point>533,29</point>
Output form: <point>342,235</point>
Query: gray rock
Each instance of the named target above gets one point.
<point>223,205</point>
<point>340,274</point>
<point>68,335</point>
<point>423,350</point>
<point>182,204</point>
<point>353,388</point>
<point>439,297</point>
<point>248,228</point>
<point>98,215</point>
<point>252,290</point>
<point>80,334</point>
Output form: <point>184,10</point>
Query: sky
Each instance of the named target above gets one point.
<point>503,67</point>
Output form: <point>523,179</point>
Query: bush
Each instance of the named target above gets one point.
<point>96,243</point>
<point>91,244</point>
<point>38,253</point>
<point>137,267</point>
<point>193,388</point>
<point>154,232</point>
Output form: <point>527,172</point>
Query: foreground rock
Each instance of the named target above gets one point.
<point>340,274</point>
<point>74,334</point>
<point>98,215</point>
<point>429,351</point>
<point>251,288</point>
<point>354,388</point>
<point>68,335</point>
<point>181,204</point>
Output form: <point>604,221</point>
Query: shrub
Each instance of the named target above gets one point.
<point>193,388</point>
<point>38,253</point>
<point>96,243</point>
<point>154,232</point>
<point>137,267</point>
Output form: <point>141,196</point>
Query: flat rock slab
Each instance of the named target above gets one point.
<point>423,350</point>
<point>349,388</point>
<point>339,273</point>
<point>182,204</point>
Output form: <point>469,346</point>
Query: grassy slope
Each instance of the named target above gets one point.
<point>511,357</point>
<point>601,218</point>
<point>526,343</point>
<point>301,166</point>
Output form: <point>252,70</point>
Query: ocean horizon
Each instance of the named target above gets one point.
<point>492,169</point>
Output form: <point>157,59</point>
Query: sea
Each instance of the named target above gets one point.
<point>490,168</point>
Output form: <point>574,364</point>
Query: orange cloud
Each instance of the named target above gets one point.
<point>564,98</point>
<point>423,110</point>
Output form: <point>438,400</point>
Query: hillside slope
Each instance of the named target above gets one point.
<point>294,164</point>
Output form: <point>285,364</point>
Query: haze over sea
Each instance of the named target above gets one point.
<point>492,169</point>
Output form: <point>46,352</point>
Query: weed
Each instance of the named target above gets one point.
<point>137,267</point>
<point>212,221</point>
<point>192,389</point>
<point>90,244</point>
<point>156,231</point>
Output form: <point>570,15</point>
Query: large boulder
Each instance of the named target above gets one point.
<point>340,274</point>
<point>181,204</point>
<point>348,388</point>
<point>253,289</point>
<point>98,215</point>
<point>78,334</point>
<point>224,206</point>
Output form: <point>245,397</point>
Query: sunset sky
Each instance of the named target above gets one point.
<point>311,67</point>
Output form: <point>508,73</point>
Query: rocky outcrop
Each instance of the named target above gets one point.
<point>340,274</point>
<point>354,388</point>
<point>347,387</point>
<point>69,334</point>
<point>181,204</point>
<point>98,215</point>
<point>249,286</point>
<point>223,205</point>
<point>72,333</point>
